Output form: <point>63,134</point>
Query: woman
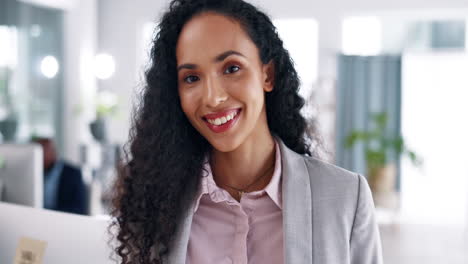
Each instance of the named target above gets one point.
<point>220,168</point>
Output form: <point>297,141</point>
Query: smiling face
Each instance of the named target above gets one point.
<point>222,81</point>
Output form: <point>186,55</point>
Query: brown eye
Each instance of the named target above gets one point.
<point>191,79</point>
<point>232,69</point>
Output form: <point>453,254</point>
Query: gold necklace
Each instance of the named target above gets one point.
<point>244,190</point>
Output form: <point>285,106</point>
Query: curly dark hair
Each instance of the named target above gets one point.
<point>162,170</point>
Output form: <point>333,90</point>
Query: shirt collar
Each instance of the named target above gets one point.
<point>273,188</point>
<point>208,185</point>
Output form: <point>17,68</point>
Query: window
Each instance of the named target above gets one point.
<point>361,36</point>
<point>300,38</point>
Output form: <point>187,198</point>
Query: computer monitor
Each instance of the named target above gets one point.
<point>22,174</point>
<point>70,238</point>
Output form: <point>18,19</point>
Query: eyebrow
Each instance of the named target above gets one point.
<point>218,58</point>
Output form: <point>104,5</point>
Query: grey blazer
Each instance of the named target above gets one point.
<point>328,215</point>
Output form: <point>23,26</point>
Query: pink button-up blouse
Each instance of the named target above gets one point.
<point>227,231</point>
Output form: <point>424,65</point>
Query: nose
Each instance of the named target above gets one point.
<point>213,92</point>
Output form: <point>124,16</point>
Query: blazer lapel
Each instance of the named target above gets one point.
<point>297,207</point>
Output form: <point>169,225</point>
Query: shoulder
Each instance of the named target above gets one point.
<point>71,173</point>
<point>324,173</point>
<point>343,188</point>
<point>327,181</point>
<point>70,168</point>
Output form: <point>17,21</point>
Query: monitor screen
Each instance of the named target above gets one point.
<point>22,174</point>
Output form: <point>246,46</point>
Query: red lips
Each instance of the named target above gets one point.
<point>226,126</point>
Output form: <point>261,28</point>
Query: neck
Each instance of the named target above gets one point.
<point>49,166</point>
<point>246,164</point>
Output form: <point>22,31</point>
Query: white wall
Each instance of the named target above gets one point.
<point>436,193</point>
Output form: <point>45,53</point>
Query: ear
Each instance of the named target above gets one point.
<point>268,76</point>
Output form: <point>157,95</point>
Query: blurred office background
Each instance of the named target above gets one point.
<point>386,82</point>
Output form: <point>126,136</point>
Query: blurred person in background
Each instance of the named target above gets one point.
<point>64,189</point>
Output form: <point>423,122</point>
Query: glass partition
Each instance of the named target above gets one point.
<point>31,74</point>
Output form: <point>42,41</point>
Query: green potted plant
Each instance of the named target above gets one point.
<point>8,117</point>
<point>381,172</point>
<point>2,162</point>
<point>106,107</point>
<point>2,165</point>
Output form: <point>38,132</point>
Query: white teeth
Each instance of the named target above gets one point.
<point>222,120</point>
